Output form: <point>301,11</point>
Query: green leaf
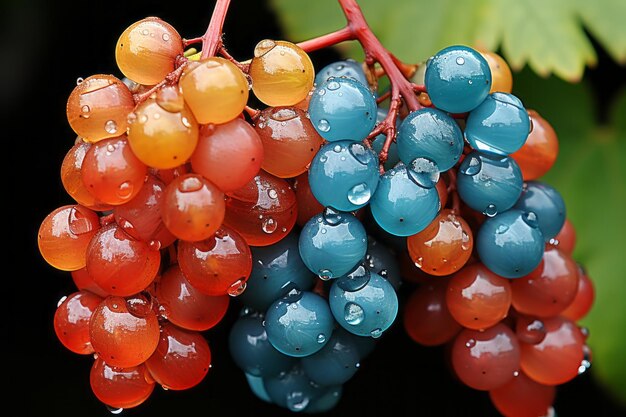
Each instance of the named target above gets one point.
<point>548,35</point>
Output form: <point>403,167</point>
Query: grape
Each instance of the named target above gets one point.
<point>299,324</point>
<point>499,125</point>
<point>181,359</point>
<point>547,204</point>
<point>218,265</point>
<point>215,90</point>
<point>583,300</point>
<point>64,235</point>
<point>276,270</point>
<point>71,321</point>
<point>382,260</point>
<point>343,109</point>
<point>523,397</point>
<point>289,141</point>
<point>432,134</point>
<point>401,206</point>
<point>477,298</point>
<point>228,155</point>
<point>486,359</point>
<point>501,76</point>
<point>363,303</point>
<point>344,175</point>
<point>282,73</point>
<point>510,244</point>
<point>540,150</point>
<point>489,184</point>
<point>185,306</point>
<point>147,50</point>
<point>457,79</point>
<point>293,390</point>
<point>348,68</point>
<point>336,363</point>
<point>530,330</point>
<point>252,351</point>
<point>257,386</point>
<point>379,141</point>
<point>326,402</point>
<point>332,244</point>
<point>98,107</point>
<point>565,240</point>
<point>308,206</point>
<point>120,387</point>
<point>84,281</point>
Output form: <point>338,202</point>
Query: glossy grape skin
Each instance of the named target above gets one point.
<point>364,310</point>
<point>289,140</point>
<point>111,172</point>
<point>71,321</point>
<point>120,387</point>
<point>489,184</point>
<point>557,358</point>
<point>345,68</point>
<point>344,175</point>
<point>218,265</point>
<point>477,298</point>
<point>72,178</point>
<point>308,206</point>
<point>583,301</point>
<point>501,76</point>
<point>523,397</point>
<point>215,90</point>
<point>263,211</point>
<point>119,264</point>
<point>444,246</point>
<point>546,202</point>
<point>84,281</point>
<point>549,288</point>
<point>332,244</point>
<point>565,240</point>
<point>529,329</point>
<point>251,350</point>
<point>336,363</point>
<point>299,324</point>
<point>123,337</point>
<point>161,138</point>
<point>147,50</point>
<point>327,401</point>
<point>487,359</point>
<point>457,79</point>
<point>293,390</point>
<point>343,109</point>
<point>427,319</point>
<point>192,208</point>
<point>276,270</point>
<point>510,244</point>
<point>228,155</point>
<point>185,306</point>
<point>430,133</point>
<point>282,73</point>
<point>402,207</point>
<point>98,107</point>
<point>539,152</point>
<point>64,235</point>
<point>257,387</point>
<point>181,359</point>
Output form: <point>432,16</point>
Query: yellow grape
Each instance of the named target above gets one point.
<point>501,77</point>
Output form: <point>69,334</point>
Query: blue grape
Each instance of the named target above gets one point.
<point>251,350</point>
<point>344,175</point>
<point>363,303</point>
<point>457,79</point>
<point>400,205</point>
<point>488,183</point>
<point>343,109</point>
<point>379,141</point>
<point>257,386</point>
<point>430,133</point>
<point>510,244</point>
<point>332,243</point>
<point>293,390</point>
<point>299,324</point>
<point>546,202</point>
<point>276,269</point>
<point>380,258</point>
<point>335,363</point>
<point>347,68</point>
<point>326,402</point>
<point>499,125</point>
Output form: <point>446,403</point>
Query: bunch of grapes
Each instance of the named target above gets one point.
<point>310,211</point>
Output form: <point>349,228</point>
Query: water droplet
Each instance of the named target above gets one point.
<point>424,172</point>
<point>331,216</point>
<point>355,280</point>
<point>283,115</point>
<point>472,166</point>
<point>78,222</point>
<point>323,231</point>
<point>353,314</point>
<point>470,82</point>
<point>515,373</point>
<point>530,218</point>
<point>165,37</point>
<point>465,240</point>
<point>61,300</point>
<point>502,229</point>
<point>190,184</point>
<point>140,305</point>
<point>263,47</point>
<point>125,190</point>
<point>85,109</point>
<point>325,274</point>
<point>292,296</point>
<point>470,343</point>
<point>361,153</point>
<point>132,117</point>
<point>110,148</point>
<point>321,338</point>
<point>269,225</point>
<point>323,159</point>
<point>143,118</point>
<point>357,365</point>
<point>584,365</point>
<point>360,194</point>
<point>156,116</point>
<point>110,126</point>
<point>491,210</point>
<point>272,193</point>
<point>333,85</point>
<point>114,410</point>
<point>339,67</point>
<point>79,80</point>
<point>376,333</point>
<point>297,401</point>
<point>323,125</point>
<point>237,288</point>
<point>531,125</point>
<point>419,262</point>
<point>460,60</point>
<point>321,92</point>
<point>185,122</point>
<point>337,148</point>
<point>155,244</point>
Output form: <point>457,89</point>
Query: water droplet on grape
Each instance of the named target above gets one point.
<point>283,115</point>
<point>263,47</point>
<point>125,190</point>
<point>355,280</point>
<point>321,338</point>
<point>165,37</point>
<point>78,222</point>
<point>139,305</point>
<point>297,401</point>
<point>156,116</point>
<point>145,32</point>
<point>339,67</point>
<point>110,126</point>
<point>61,300</point>
<point>353,314</point>
<point>337,148</point>
<point>325,274</point>
<point>85,109</point>
<point>470,343</point>
<point>584,366</point>
<point>190,184</point>
<point>293,295</point>
<point>465,240</point>
<point>359,194</point>
<point>132,117</point>
<point>423,172</point>
<point>237,288</point>
<point>110,148</point>
<point>114,410</point>
<point>333,85</point>
<point>530,218</point>
<point>470,82</point>
<point>502,229</point>
<point>419,262</point>
<point>323,125</point>
<point>361,153</point>
<point>376,333</point>
<point>331,216</point>
<point>491,210</point>
<point>357,365</point>
<point>155,244</point>
<point>79,80</point>
<point>323,231</point>
<point>143,118</point>
<point>269,225</point>
<point>321,92</point>
<point>460,60</point>
<point>472,167</point>
<point>272,193</point>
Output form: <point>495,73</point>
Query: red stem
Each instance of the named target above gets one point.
<point>212,39</point>
<point>327,40</point>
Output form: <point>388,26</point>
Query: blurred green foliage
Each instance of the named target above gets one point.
<point>551,38</point>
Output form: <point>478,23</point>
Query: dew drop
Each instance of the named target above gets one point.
<point>361,153</point>
<point>331,216</point>
<point>143,118</point>
<point>339,67</point>
<point>125,190</point>
<point>190,184</point>
<point>360,194</point>
<point>502,229</point>
<point>355,280</point>
<point>85,109</point>
<point>325,274</point>
<point>263,47</point>
<point>470,343</point>
<point>110,148</point>
<point>132,117</point>
<point>237,288</point>
<point>269,225</point>
<point>323,159</point>
<point>272,193</point>
<point>584,366</point>
<point>424,172</point>
<point>110,126</point>
<point>165,37</point>
<point>419,262</point>
<point>376,333</point>
<point>185,122</point>
<point>292,296</point>
<point>297,401</point>
<point>156,116</point>
<point>321,92</point>
<point>465,240</point>
<point>283,115</point>
<point>61,300</point>
<point>139,305</point>
<point>321,338</point>
<point>470,82</point>
<point>491,210</point>
<point>530,218</point>
<point>472,167</point>
<point>114,410</point>
<point>333,85</point>
<point>353,314</point>
<point>77,221</point>
<point>155,244</point>
<point>323,231</point>
<point>460,60</point>
<point>323,125</point>
<point>337,148</point>
<point>79,80</point>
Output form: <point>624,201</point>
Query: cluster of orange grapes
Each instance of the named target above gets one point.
<point>171,187</point>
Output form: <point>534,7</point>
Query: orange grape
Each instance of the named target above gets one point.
<point>120,387</point>
<point>84,281</point>
<point>539,152</point>
<point>523,397</point>
<point>583,301</point>
<point>71,321</point>
<point>501,76</point>
<point>308,206</point>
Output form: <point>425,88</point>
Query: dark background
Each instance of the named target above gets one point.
<point>45,46</point>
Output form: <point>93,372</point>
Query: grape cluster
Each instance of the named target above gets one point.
<point>305,211</point>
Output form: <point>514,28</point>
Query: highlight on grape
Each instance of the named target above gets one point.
<point>309,215</point>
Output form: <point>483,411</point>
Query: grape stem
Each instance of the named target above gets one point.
<point>171,78</point>
<point>212,38</point>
